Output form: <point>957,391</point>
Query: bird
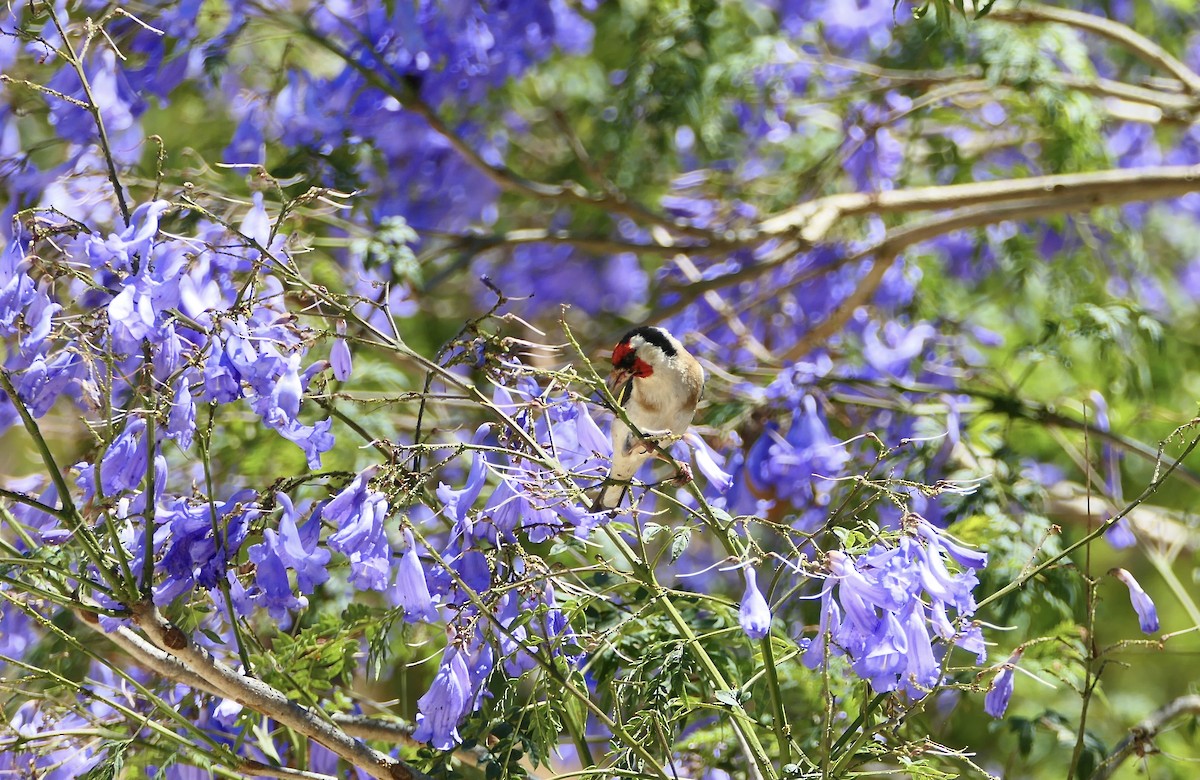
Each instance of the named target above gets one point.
<point>658,383</point>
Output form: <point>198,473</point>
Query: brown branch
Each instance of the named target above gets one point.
<point>904,237</point>
<point>260,697</point>
<point>746,339</point>
<point>480,242</point>
<point>252,768</point>
<point>30,501</point>
<point>841,314</point>
<point>1138,44</point>
<point>1014,408</point>
<point>1011,199</point>
<point>811,221</point>
<point>394,731</point>
<point>1102,528</point>
<point>1174,106</point>
<point>1140,739</point>
<point>167,666</point>
<point>94,109</point>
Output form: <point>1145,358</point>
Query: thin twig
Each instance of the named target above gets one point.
<point>1101,529</point>
<point>1140,739</point>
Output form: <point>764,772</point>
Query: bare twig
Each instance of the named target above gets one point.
<point>92,108</point>
<point>30,501</point>
<point>1140,739</point>
<point>254,768</point>
<point>1150,490</point>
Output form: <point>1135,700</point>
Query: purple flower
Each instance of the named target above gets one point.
<point>1142,604</point>
<point>271,577</point>
<point>124,463</point>
<point>458,502</point>
<point>754,614</point>
<point>794,464</point>
<point>446,702</point>
<point>181,421</point>
<point>888,597</point>
<point>339,355</point>
<point>313,439</point>
<point>192,556</point>
<point>359,514</point>
<point>831,618</point>
<point>44,381</point>
<point>515,638</point>
<point>706,461</point>
<point>291,547</point>
<point>996,701</point>
<point>31,753</point>
<point>891,351</point>
<point>410,591</point>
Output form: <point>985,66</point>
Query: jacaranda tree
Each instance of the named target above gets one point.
<point>305,311</point>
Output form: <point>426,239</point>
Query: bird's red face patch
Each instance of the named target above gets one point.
<point>621,353</point>
<point>625,360</point>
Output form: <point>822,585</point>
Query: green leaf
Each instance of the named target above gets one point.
<point>114,762</point>
<point>730,698</point>
<point>679,544</point>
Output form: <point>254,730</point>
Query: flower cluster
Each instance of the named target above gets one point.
<point>878,609</point>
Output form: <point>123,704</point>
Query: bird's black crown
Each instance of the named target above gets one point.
<point>655,336</point>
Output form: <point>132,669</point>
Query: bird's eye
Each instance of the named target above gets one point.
<point>623,355</point>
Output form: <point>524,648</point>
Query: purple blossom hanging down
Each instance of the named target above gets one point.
<point>1142,603</point>
<point>995,703</point>
<point>754,615</point>
<point>410,591</point>
<point>891,602</point>
<point>446,703</point>
<point>292,547</point>
<point>359,513</point>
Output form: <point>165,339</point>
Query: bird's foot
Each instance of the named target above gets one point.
<point>684,476</point>
<point>656,440</point>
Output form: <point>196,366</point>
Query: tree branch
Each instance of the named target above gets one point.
<point>30,501</point>
<point>811,221</point>
<point>1138,44</point>
<point>1141,737</point>
<point>1102,528</point>
<point>844,310</point>
<point>262,698</point>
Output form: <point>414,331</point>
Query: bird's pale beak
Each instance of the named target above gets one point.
<point>617,381</point>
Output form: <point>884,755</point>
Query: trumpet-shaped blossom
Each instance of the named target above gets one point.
<point>879,608</point>
<point>995,703</point>
<point>446,703</point>
<point>359,514</point>
<point>192,556</point>
<point>124,463</point>
<point>1143,605</point>
<point>293,548</point>
<point>410,591</point>
<point>339,355</point>
<point>792,466</point>
<point>754,615</point>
